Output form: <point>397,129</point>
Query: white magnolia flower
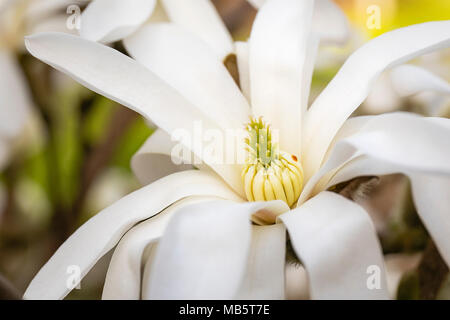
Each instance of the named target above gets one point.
<point>17,19</point>
<point>168,247</point>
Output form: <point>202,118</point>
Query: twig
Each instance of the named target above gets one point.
<point>432,272</point>
<point>7,290</point>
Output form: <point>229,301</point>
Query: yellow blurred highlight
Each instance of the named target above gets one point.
<point>374,17</point>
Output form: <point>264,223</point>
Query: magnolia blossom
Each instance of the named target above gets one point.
<point>189,234</point>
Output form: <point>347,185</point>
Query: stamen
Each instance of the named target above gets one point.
<point>269,174</point>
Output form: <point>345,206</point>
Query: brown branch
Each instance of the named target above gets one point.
<point>7,290</point>
<point>432,272</point>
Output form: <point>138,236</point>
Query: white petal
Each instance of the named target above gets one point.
<point>278,51</point>
<point>352,84</point>
<point>154,159</point>
<point>120,78</point>
<point>15,101</point>
<point>265,276</point>
<point>382,97</point>
<point>123,279</point>
<point>204,251</point>
<point>243,67</point>
<point>414,146</point>
<point>408,80</point>
<point>432,199</point>
<point>101,233</point>
<point>56,23</point>
<point>112,20</point>
<point>399,142</point>
<point>201,18</point>
<point>257,3</point>
<point>329,22</point>
<point>337,243</point>
<point>189,66</point>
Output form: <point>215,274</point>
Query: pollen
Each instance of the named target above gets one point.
<point>269,174</point>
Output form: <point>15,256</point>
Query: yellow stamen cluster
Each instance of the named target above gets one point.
<point>269,174</point>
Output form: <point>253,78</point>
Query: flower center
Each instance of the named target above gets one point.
<point>269,174</point>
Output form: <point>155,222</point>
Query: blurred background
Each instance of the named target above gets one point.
<point>71,157</point>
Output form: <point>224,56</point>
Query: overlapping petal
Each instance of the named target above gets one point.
<point>111,20</point>
<point>123,279</point>
<point>204,251</point>
<point>120,78</point>
<point>102,232</point>
<point>351,85</point>
<point>188,65</point>
<point>155,160</point>
<point>278,50</point>
<point>265,274</point>
<point>337,243</point>
<point>201,18</point>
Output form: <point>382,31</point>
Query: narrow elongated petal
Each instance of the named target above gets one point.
<point>243,67</point>
<point>123,279</point>
<point>408,80</point>
<point>111,20</point>
<point>432,199</point>
<point>14,97</point>
<point>352,83</point>
<point>278,50</point>
<point>102,232</point>
<point>155,160</point>
<point>120,78</point>
<point>189,66</point>
<point>201,18</point>
<point>414,146</point>
<point>264,278</point>
<point>337,243</point>
<point>204,251</point>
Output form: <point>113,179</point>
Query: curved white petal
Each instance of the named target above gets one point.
<point>265,276</point>
<point>189,66</point>
<point>15,101</point>
<point>432,199</point>
<point>112,20</point>
<point>120,78</point>
<point>351,85</point>
<point>243,67</point>
<point>101,233</point>
<point>400,141</point>
<point>278,56</point>
<point>337,243</point>
<point>123,279</point>
<point>201,18</point>
<point>154,159</point>
<point>408,80</point>
<point>204,251</point>
<point>414,146</point>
